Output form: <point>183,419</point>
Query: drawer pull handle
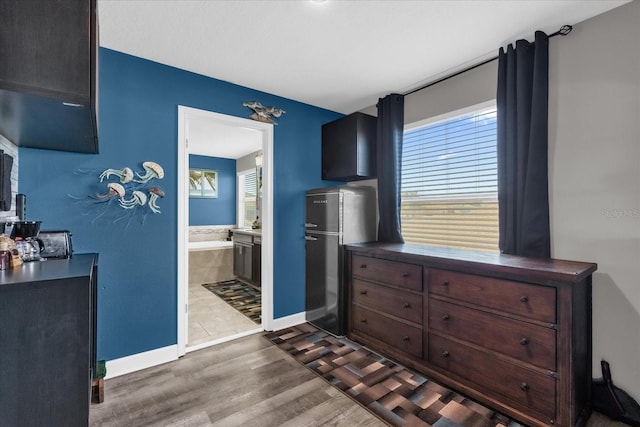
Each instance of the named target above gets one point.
<point>524,299</point>
<point>363,292</point>
<point>445,283</point>
<point>524,387</point>
<point>363,320</point>
<point>405,338</point>
<point>445,317</point>
<point>405,274</point>
<point>363,265</point>
<point>524,341</point>
<point>445,353</point>
<point>406,305</point>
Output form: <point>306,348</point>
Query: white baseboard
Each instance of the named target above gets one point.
<point>223,340</point>
<point>287,321</point>
<point>139,361</point>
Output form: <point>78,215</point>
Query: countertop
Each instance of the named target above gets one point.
<point>247,231</point>
<point>52,269</point>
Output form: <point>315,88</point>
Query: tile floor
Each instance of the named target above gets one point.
<point>210,318</point>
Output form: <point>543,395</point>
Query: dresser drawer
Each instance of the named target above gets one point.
<point>397,334</point>
<point>396,302</point>
<point>531,301</point>
<point>530,343</point>
<point>531,391</point>
<point>389,272</point>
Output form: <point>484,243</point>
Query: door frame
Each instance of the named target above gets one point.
<point>266,130</point>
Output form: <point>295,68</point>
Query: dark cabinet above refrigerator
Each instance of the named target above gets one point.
<point>48,74</point>
<point>349,148</point>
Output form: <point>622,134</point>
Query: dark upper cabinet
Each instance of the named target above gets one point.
<point>349,148</point>
<point>48,74</point>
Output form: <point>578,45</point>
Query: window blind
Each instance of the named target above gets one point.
<point>249,201</point>
<point>449,183</point>
<point>250,184</point>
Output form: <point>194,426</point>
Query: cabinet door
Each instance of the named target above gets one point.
<point>237,260</point>
<point>242,261</point>
<point>48,74</point>
<point>45,335</point>
<point>349,148</point>
<point>45,47</point>
<point>256,255</point>
<point>247,268</point>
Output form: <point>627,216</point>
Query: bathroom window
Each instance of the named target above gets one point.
<point>203,183</point>
<point>246,197</point>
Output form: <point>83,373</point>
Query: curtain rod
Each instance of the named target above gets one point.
<point>563,31</point>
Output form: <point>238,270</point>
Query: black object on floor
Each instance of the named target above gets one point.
<point>244,298</point>
<point>613,401</point>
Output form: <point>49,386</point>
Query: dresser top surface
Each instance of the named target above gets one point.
<point>461,259</point>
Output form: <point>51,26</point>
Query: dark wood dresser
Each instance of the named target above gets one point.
<point>512,332</point>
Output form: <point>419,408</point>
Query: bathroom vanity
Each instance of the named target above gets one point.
<point>247,254</point>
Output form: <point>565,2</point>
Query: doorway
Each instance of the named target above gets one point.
<point>187,115</point>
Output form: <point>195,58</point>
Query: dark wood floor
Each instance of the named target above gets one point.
<point>247,382</point>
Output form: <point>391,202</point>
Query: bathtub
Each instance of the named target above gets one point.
<point>210,245</point>
<point>210,261</point>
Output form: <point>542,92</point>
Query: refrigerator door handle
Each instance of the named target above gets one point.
<point>310,238</point>
<point>310,225</point>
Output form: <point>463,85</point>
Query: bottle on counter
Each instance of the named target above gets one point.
<point>5,256</point>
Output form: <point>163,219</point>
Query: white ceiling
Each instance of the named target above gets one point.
<point>341,55</point>
<point>211,138</point>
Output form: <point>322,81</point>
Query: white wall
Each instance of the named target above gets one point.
<point>471,88</point>
<point>594,162</point>
<point>247,162</point>
<point>594,167</point>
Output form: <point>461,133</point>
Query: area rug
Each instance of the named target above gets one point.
<point>392,392</point>
<point>244,298</point>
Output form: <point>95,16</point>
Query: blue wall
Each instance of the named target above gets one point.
<point>221,210</point>
<point>137,308</point>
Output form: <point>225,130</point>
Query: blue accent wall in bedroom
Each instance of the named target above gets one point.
<point>221,210</point>
<point>137,116</point>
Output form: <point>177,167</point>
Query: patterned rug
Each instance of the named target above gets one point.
<point>397,395</point>
<point>244,298</point>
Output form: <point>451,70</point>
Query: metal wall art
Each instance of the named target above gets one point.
<point>131,191</point>
<point>262,113</point>
<point>138,196</point>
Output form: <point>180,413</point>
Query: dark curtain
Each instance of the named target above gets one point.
<point>389,168</point>
<point>522,116</point>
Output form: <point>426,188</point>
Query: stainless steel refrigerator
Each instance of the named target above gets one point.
<point>335,216</point>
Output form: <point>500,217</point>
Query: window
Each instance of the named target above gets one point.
<point>203,183</point>
<point>246,197</point>
<point>450,182</point>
